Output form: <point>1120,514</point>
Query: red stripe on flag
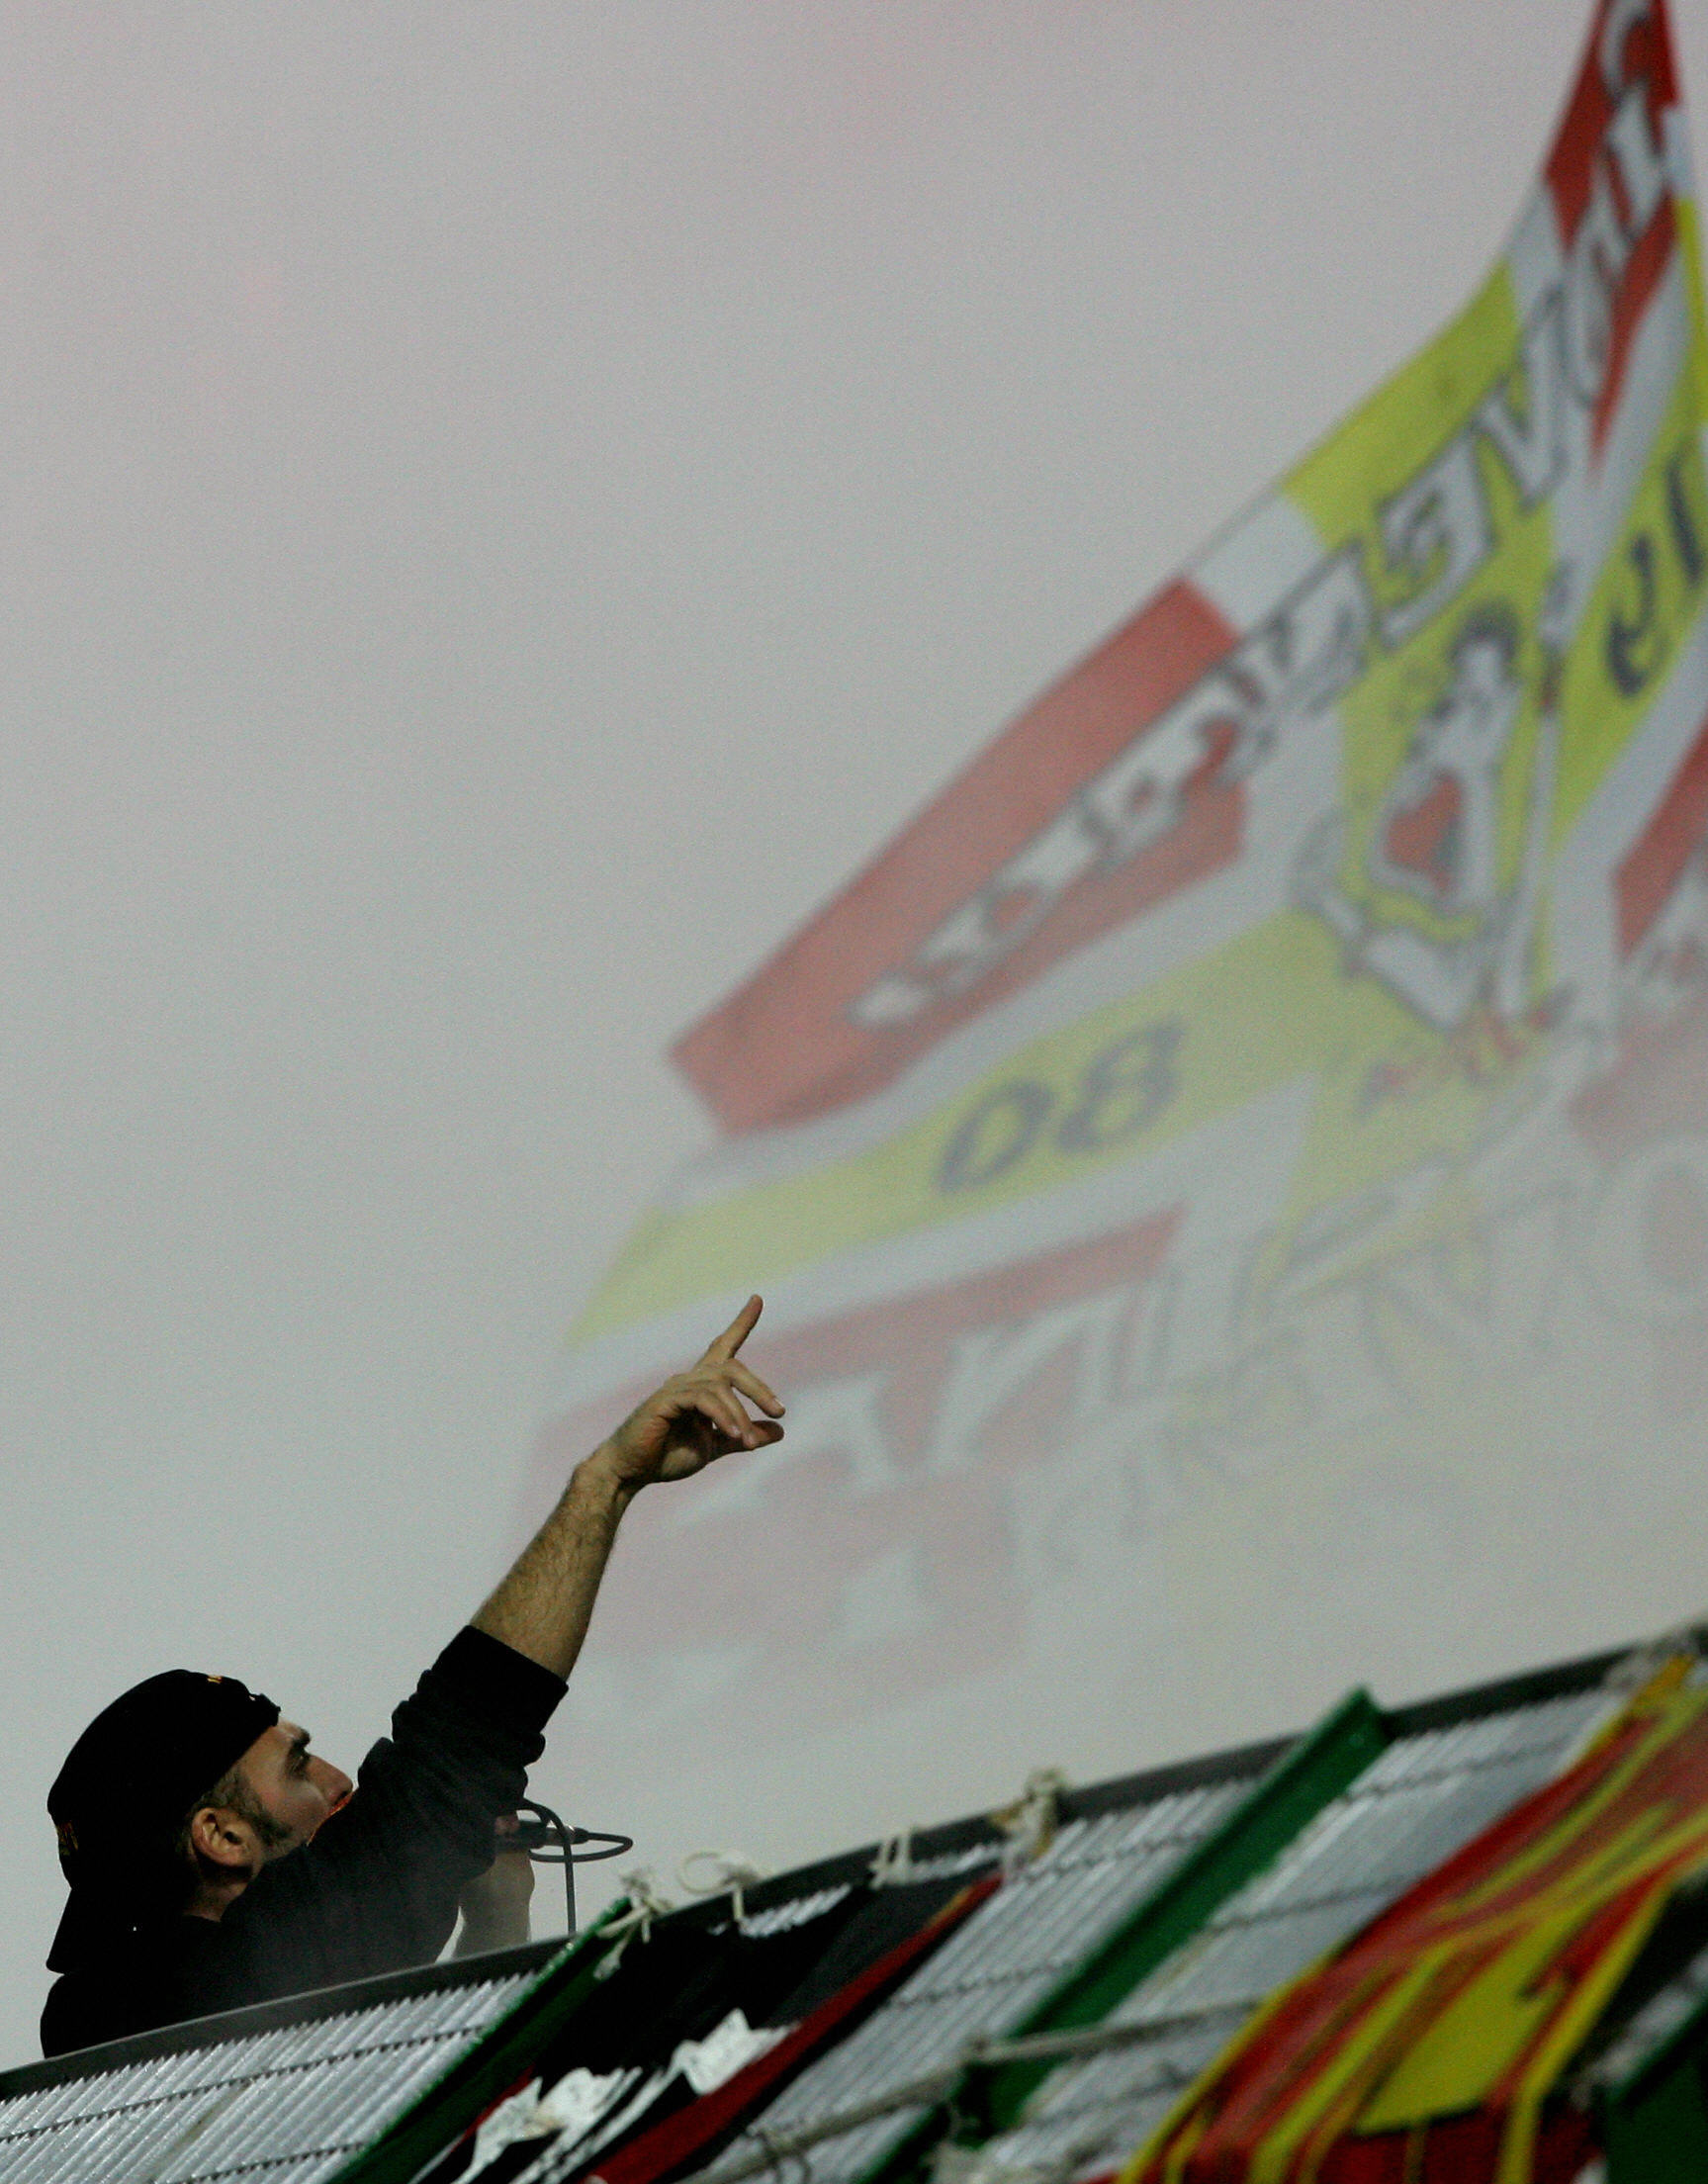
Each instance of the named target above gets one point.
<point>784,1047</point>
<point>907,1334</point>
<point>1651,867</point>
<point>1571,164</point>
<point>848,1490</point>
<point>1580,154</point>
<point>1649,260</point>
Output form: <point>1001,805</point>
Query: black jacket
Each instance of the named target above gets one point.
<point>375,1890</point>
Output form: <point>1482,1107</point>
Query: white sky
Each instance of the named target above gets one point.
<point>506,505</point>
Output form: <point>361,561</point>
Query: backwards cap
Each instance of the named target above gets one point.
<point>128,1785</point>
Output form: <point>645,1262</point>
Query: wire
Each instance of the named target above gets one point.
<point>549,1841</point>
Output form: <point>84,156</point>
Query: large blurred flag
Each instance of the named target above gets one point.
<point>1234,1169</point>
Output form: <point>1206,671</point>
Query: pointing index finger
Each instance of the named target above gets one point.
<point>736,1333</point>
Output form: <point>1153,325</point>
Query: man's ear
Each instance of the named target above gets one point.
<point>223,1838</point>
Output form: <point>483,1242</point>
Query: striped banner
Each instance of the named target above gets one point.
<point>1425,2050</point>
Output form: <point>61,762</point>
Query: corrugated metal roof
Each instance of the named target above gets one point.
<point>287,2105</point>
<point>1422,1800</point>
<point>1124,1957</point>
<point>989,1975</point>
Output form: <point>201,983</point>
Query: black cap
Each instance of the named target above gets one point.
<point>127,1786</point>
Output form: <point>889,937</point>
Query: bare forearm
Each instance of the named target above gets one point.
<point>544,1605</point>
<point>496,1908</point>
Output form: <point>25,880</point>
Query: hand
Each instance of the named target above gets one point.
<point>542,1607</point>
<point>696,1417</point>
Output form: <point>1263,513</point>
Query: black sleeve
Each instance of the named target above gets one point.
<point>377,1889</point>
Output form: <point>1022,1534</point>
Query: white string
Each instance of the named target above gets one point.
<point>893,1865</point>
<point>730,1872</point>
<point>1029,1824</point>
<point>645,1905</point>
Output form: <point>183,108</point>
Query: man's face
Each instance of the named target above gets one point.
<point>294,1787</point>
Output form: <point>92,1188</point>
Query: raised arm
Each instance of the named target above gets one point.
<point>544,1605</point>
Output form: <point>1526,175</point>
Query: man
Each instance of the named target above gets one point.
<point>215,1860</point>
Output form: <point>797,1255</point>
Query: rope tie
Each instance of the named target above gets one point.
<point>1029,1825</point>
<point>731,1873</point>
<point>778,2158</point>
<point>645,1905</point>
<point>893,1865</point>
